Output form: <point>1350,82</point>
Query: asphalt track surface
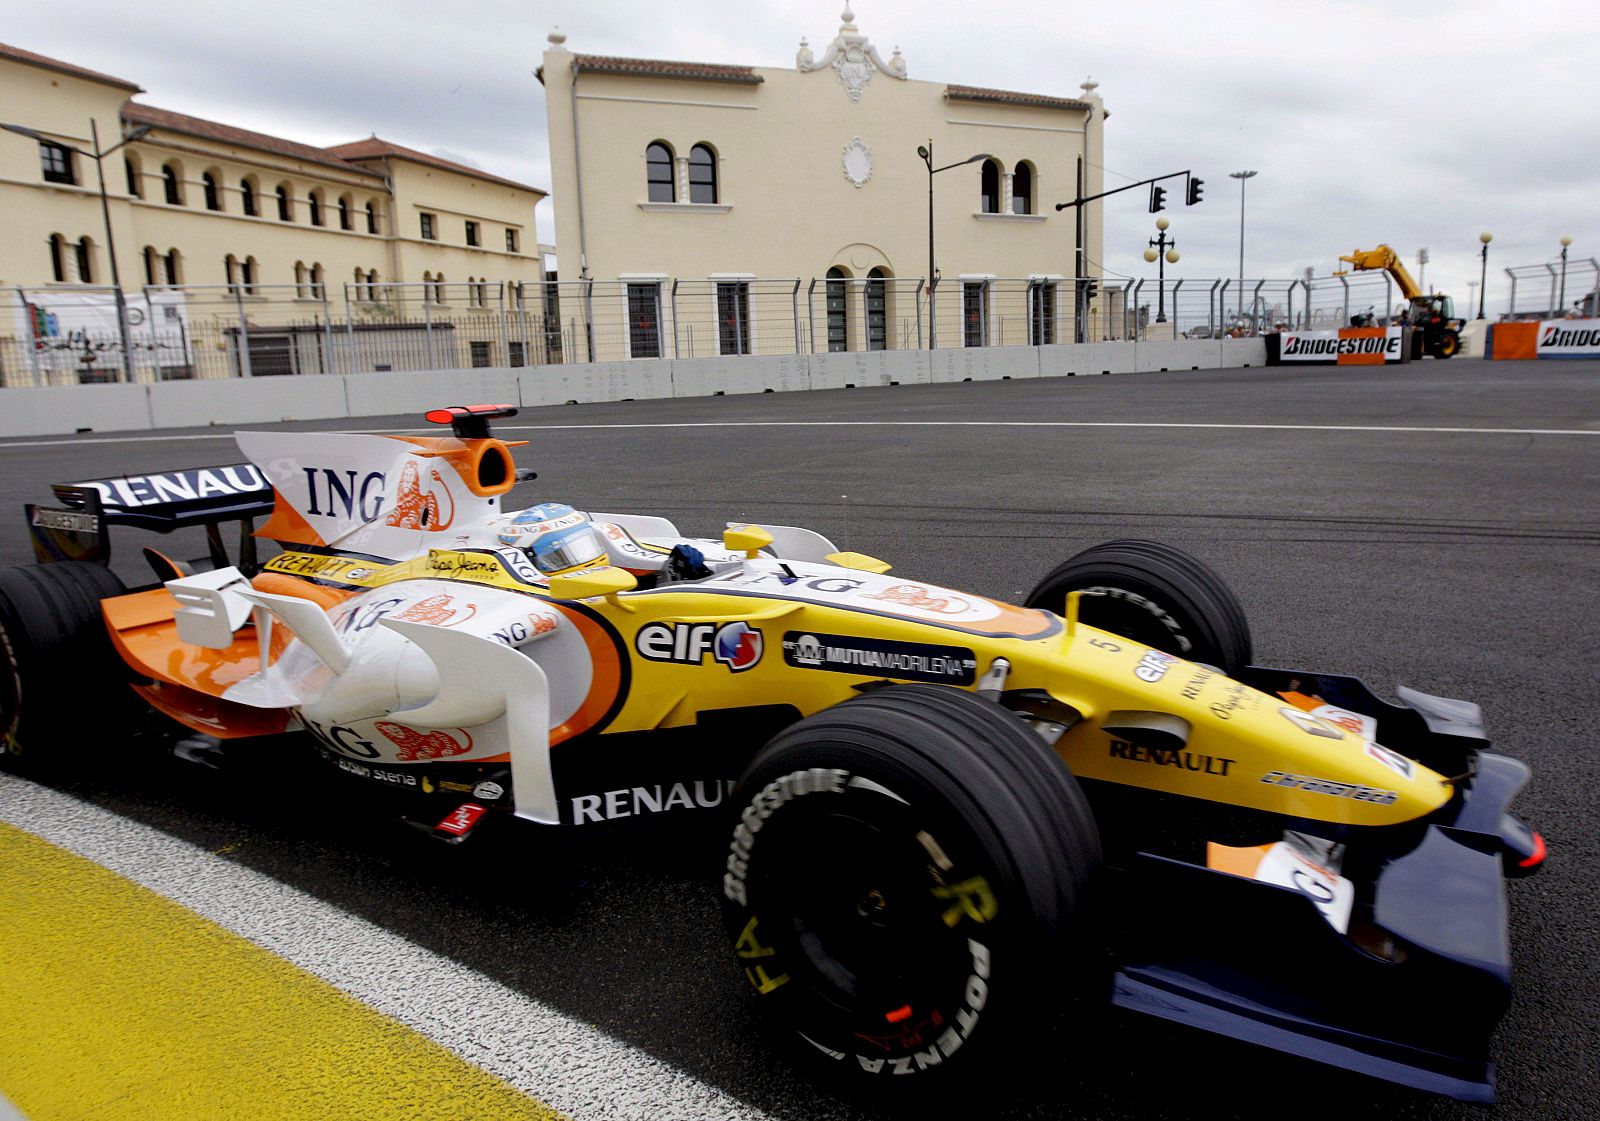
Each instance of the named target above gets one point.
<point>1436,525</point>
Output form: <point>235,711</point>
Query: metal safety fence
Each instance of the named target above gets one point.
<point>74,334</point>
<point>1555,289</point>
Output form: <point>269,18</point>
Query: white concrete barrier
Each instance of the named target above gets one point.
<point>197,404</point>
<point>239,401</point>
<point>54,410</point>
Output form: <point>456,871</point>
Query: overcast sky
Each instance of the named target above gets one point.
<point>1414,124</point>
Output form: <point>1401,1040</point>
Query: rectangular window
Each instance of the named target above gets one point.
<point>644,320</point>
<point>56,160</point>
<point>877,314</point>
<point>472,233</point>
<point>975,314</point>
<point>838,324</point>
<point>1041,313</point>
<point>480,354</point>
<point>511,242</point>
<point>733,317</point>
<point>429,231</point>
<point>517,354</point>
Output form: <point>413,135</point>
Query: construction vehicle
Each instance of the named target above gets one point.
<point>1435,329</point>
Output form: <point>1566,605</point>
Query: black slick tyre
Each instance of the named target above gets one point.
<point>56,660</point>
<point>1154,594</point>
<point>907,881</point>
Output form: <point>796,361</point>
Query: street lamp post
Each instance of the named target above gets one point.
<point>98,156</point>
<point>1162,251</point>
<point>1562,302</point>
<point>1241,176</point>
<point>927,158</point>
<point>1483,273</point>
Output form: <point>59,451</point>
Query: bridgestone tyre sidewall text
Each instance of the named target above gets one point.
<point>934,829</point>
<point>1155,594</point>
<point>55,658</point>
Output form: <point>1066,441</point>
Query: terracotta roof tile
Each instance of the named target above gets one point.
<point>1012,97</point>
<point>375,147</point>
<point>17,54</point>
<point>166,119</point>
<point>662,68</point>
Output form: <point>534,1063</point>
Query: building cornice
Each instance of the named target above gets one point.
<point>1014,97</point>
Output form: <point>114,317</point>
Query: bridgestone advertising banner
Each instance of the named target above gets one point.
<point>1552,338</point>
<point>1348,346</point>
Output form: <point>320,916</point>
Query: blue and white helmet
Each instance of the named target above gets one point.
<point>556,538</point>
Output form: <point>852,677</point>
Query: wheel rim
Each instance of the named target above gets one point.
<point>862,927</point>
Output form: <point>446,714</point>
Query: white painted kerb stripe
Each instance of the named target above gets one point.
<point>540,1051</point>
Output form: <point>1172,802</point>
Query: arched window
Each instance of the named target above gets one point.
<point>172,183</point>
<point>317,289</point>
<point>173,272</point>
<point>314,207</point>
<point>877,310</point>
<point>990,187</point>
<point>247,196</point>
<point>658,172</point>
<point>838,310</point>
<point>702,174</point>
<point>58,258</point>
<point>213,196</point>
<point>344,212</point>
<point>372,217</point>
<point>249,276</point>
<point>85,249</point>
<point>285,207</point>
<point>230,265</point>
<point>130,164</point>
<point>299,280</point>
<point>1022,189</point>
<point>151,257</point>
<point>438,288</point>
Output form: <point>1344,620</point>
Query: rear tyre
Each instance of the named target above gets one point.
<point>1449,345</point>
<point>906,880</point>
<point>1156,595</point>
<point>57,665</point>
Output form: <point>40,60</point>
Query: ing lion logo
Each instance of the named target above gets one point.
<point>414,745</point>
<point>416,509</point>
<point>913,596</point>
<point>437,610</point>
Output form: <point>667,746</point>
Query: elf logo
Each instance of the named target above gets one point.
<point>736,645</point>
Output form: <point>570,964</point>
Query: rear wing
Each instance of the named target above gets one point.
<point>79,527</point>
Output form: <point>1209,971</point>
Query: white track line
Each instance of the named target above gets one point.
<point>68,441</point>
<point>542,1052</point>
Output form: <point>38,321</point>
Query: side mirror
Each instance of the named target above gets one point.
<point>750,538</point>
<point>591,582</point>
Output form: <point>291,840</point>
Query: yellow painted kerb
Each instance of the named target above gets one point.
<point>119,1005</point>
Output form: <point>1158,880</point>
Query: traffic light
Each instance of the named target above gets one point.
<point>1194,191</point>
<point>1158,198</point>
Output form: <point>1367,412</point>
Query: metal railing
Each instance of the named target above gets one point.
<point>68,335</point>
<point>1541,288</point>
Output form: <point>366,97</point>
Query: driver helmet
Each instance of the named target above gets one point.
<point>556,538</point>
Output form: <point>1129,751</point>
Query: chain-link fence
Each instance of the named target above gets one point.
<point>75,335</point>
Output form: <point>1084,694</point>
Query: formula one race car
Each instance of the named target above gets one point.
<point>943,805</point>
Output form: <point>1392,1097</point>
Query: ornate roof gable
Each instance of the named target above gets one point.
<point>853,58</point>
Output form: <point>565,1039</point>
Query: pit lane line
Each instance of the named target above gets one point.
<point>558,1063</point>
<point>68,441</point>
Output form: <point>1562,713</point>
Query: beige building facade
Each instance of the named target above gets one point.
<point>708,173</point>
<point>201,203</point>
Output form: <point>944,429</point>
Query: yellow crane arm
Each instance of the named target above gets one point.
<point>1387,259</point>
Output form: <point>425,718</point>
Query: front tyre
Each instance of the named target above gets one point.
<point>1154,594</point>
<point>908,871</point>
<point>57,665</point>
<point>1449,345</point>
